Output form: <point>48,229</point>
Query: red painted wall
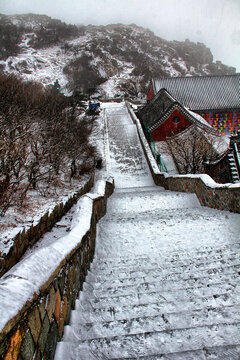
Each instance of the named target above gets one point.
<point>168,128</point>
<point>150,94</point>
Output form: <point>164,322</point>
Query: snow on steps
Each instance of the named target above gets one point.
<point>220,353</point>
<point>160,300</point>
<point>158,344</point>
<point>163,283</point>
<point>161,322</point>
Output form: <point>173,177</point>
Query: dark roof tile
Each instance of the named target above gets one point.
<point>203,92</point>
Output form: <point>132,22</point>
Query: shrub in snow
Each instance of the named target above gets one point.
<point>42,140</point>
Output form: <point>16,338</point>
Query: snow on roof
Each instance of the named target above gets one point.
<point>198,117</point>
<point>202,92</point>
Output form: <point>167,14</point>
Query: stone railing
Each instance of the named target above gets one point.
<point>38,293</point>
<point>209,193</point>
<point>30,234</point>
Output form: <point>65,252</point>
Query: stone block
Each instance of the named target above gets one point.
<point>37,355</point>
<point>34,233</point>
<point>51,303</point>
<point>41,308</point>
<point>51,342</point>
<point>2,265</point>
<point>63,315</point>
<point>35,324</point>
<point>15,345</point>
<point>28,347</point>
<point>17,242</point>
<point>24,241</point>
<point>57,309</point>
<point>50,221</point>
<point>61,281</point>
<point>4,345</point>
<point>44,333</point>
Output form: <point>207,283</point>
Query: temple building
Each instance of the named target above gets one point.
<point>210,105</point>
<point>215,98</point>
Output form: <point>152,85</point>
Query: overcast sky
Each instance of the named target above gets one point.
<point>213,22</point>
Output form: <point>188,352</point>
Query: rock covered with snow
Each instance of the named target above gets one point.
<point>109,57</point>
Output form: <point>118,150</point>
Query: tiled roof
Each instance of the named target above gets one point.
<point>195,119</point>
<point>203,92</point>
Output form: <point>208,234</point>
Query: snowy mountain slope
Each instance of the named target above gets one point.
<point>116,60</point>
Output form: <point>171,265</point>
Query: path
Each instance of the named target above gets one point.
<point>127,162</point>
<point>164,280</point>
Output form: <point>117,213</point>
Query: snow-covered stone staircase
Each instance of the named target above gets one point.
<point>163,284</point>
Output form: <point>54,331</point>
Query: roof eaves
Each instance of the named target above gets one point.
<point>194,120</point>
<point>164,116</point>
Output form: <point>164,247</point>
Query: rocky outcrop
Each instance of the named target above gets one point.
<point>129,55</point>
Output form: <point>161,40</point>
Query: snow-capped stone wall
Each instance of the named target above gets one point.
<point>29,235</point>
<point>209,193</point>
<point>37,294</point>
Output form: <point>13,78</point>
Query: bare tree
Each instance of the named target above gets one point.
<point>192,148</point>
<point>42,138</point>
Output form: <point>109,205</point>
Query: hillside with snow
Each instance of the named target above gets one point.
<point>112,61</point>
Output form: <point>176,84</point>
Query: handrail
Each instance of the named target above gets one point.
<point>237,153</point>
<point>156,153</point>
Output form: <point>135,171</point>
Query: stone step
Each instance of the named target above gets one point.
<point>161,322</point>
<point>65,351</point>
<point>137,190</point>
<point>119,312</point>
<point>126,246</point>
<point>171,256</point>
<point>138,285</point>
<point>160,201</point>
<point>164,274</point>
<point>213,296</point>
<point>208,353</point>
<point>152,343</point>
<point>182,264</point>
<point>200,278</point>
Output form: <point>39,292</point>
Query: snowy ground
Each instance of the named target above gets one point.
<point>44,65</point>
<point>112,86</point>
<point>36,205</point>
<point>164,280</point>
<point>163,149</point>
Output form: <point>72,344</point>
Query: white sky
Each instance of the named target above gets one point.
<point>213,22</point>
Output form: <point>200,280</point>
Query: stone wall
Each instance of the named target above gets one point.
<point>209,193</point>
<point>38,293</point>
<point>31,234</point>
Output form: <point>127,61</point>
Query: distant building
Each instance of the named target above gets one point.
<point>165,115</point>
<point>215,98</point>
